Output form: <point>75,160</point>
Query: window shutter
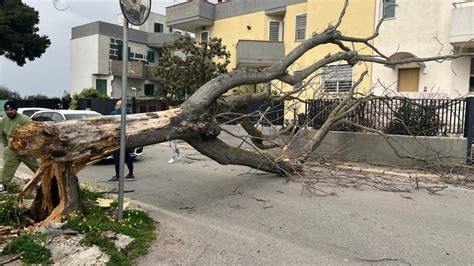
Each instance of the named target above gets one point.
<point>149,89</point>
<point>300,29</point>
<point>204,36</point>
<point>274,31</point>
<point>151,57</point>
<point>158,27</point>
<point>337,78</point>
<point>389,8</point>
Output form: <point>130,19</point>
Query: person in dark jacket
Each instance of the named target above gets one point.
<point>128,158</point>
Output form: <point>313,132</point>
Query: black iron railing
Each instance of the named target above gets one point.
<point>428,117</point>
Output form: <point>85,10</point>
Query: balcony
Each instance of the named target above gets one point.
<point>150,73</point>
<point>136,70</point>
<point>157,40</point>
<point>190,15</point>
<point>254,54</point>
<point>462,24</point>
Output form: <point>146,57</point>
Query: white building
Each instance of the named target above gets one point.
<point>96,56</point>
<point>425,29</point>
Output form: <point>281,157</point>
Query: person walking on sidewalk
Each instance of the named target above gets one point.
<point>128,158</point>
<point>173,145</point>
<point>11,159</point>
<point>174,152</point>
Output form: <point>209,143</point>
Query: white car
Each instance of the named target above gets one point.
<point>59,115</point>
<point>29,111</point>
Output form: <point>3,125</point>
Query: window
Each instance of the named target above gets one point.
<point>42,117</point>
<point>56,117</point>
<point>300,29</point>
<point>471,79</point>
<point>101,86</point>
<point>408,79</point>
<point>120,52</point>
<point>389,8</point>
<point>204,36</point>
<point>337,78</point>
<point>29,112</point>
<point>151,56</point>
<point>274,31</point>
<point>149,89</point>
<point>158,27</point>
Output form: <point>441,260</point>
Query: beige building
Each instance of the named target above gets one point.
<point>96,56</point>
<point>424,29</point>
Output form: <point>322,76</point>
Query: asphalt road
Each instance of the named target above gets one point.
<point>213,214</point>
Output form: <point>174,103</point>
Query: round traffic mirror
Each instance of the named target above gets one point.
<point>135,11</point>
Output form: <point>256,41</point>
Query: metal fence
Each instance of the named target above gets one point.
<point>429,117</point>
<point>258,112</point>
<point>54,103</point>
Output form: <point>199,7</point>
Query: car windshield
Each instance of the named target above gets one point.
<point>78,116</point>
<point>29,112</point>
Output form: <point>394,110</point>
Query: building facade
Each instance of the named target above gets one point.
<point>96,56</point>
<point>259,32</point>
<point>447,26</point>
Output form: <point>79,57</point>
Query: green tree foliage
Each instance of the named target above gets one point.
<point>87,93</point>
<point>6,93</point>
<point>414,119</point>
<point>36,96</point>
<point>186,65</point>
<point>19,38</point>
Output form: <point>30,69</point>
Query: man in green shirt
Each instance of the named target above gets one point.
<point>11,159</point>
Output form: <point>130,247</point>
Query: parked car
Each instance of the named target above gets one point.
<point>59,115</point>
<point>29,111</point>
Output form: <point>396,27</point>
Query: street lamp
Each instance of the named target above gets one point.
<point>136,12</point>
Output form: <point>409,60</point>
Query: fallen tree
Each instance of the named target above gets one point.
<point>66,147</point>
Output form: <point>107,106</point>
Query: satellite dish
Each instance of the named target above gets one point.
<point>135,11</point>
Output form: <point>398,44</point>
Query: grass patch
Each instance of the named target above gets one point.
<point>31,248</point>
<point>92,223</point>
<point>89,192</point>
<point>10,213</point>
<point>12,188</point>
<point>96,220</point>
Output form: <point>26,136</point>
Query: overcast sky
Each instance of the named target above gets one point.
<point>49,74</point>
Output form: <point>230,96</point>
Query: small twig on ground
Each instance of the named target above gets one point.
<point>235,192</point>
<point>6,259</point>
<point>384,259</point>
<point>257,199</point>
<point>195,159</point>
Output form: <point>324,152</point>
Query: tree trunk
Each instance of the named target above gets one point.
<point>66,147</point>
<point>58,195</point>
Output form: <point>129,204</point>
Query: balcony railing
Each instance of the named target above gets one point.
<point>253,54</point>
<point>462,24</point>
<point>190,15</point>
<point>136,69</point>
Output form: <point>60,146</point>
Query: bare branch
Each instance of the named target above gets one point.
<point>342,14</point>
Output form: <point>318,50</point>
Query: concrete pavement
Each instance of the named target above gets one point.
<point>213,214</point>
